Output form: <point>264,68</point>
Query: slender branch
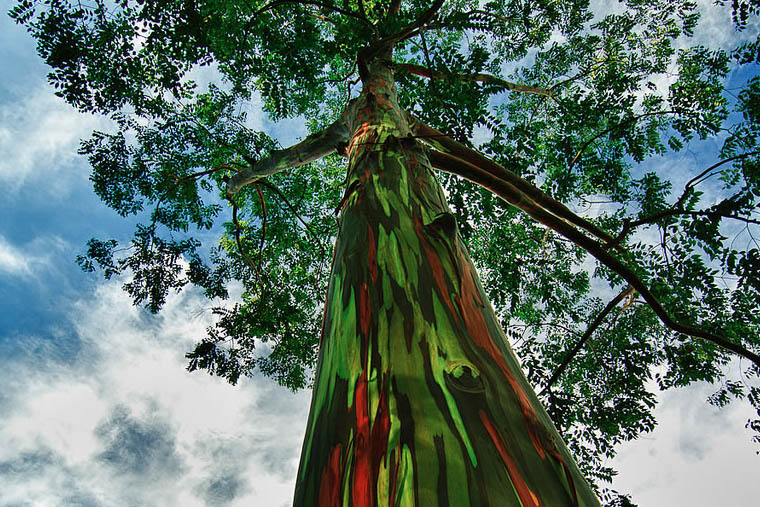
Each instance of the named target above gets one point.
<point>445,144</point>
<point>291,208</point>
<point>335,137</point>
<point>419,70</point>
<point>617,126</point>
<point>589,331</point>
<point>514,196</point>
<point>263,226</point>
<point>239,243</point>
<point>204,173</point>
<point>701,213</point>
<point>704,174</point>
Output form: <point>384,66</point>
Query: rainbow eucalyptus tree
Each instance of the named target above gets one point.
<point>606,273</point>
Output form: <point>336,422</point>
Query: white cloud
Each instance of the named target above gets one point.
<point>39,138</point>
<point>698,455</point>
<point>28,259</point>
<point>12,261</point>
<point>124,410</point>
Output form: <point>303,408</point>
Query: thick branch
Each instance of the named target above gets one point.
<point>419,70</point>
<point>408,31</point>
<point>444,143</point>
<point>514,196</point>
<point>589,331</point>
<point>314,147</point>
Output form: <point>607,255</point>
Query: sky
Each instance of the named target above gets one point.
<point>97,409</point>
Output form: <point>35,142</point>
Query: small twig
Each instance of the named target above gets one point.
<point>699,178</point>
<point>263,226</point>
<point>239,243</point>
<point>292,209</point>
<point>277,3</point>
<point>617,126</point>
<point>589,331</point>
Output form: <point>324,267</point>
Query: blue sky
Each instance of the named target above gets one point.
<point>97,409</point>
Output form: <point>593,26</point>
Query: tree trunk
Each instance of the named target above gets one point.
<point>418,398</point>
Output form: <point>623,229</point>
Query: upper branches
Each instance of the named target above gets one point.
<point>467,163</point>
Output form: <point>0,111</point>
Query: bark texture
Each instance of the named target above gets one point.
<point>418,398</point>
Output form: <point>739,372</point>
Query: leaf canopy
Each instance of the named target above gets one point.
<point>607,97</point>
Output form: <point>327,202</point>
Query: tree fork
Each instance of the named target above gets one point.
<point>418,398</point>
<point>446,144</point>
<point>514,196</point>
<point>314,147</point>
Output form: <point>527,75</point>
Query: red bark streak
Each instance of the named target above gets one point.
<point>370,445</point>
<point>362,484</point>
<point>372,254</point>
<point>394,477</point>
<point>435,266</point>
<point>332,477</point>
<point>527,497</point>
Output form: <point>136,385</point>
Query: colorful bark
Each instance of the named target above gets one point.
<point>418,399</point>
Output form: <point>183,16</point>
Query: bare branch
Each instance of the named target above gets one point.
<point>314,147</point>
<point>419,70</point>
<point>706,174</point>
<point>589,331</point>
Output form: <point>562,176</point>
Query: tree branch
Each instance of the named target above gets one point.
<point>705,174</point>
<point>419,70</point>
<point>623,123</point>
<point>446,144</point>
<point>335,137</point>
<point>514,196</point>
<point>589,331</point>
<point>408,31</point>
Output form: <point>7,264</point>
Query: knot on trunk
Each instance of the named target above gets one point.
<point>444,223</point>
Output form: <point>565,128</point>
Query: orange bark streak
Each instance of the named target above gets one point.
<point>362,484</point>
<point>527,497</point>
<point>468,301</point>
<point>435,266</point>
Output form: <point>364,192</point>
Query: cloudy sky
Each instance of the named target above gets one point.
<point>96,408</point>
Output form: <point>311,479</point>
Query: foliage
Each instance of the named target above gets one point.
<point>626,89</point>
